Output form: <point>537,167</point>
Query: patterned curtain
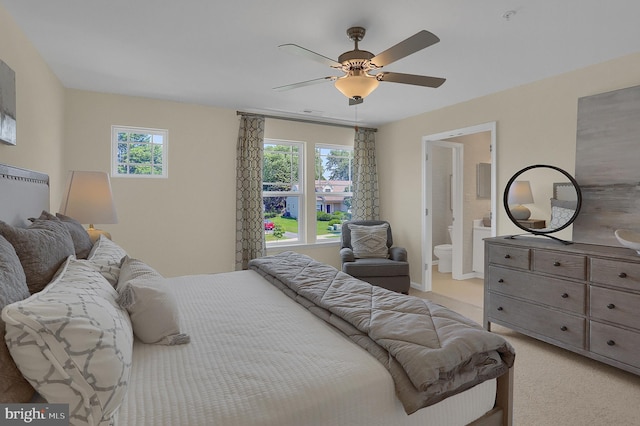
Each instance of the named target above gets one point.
<point>250,242</point>
<point>365,203</point>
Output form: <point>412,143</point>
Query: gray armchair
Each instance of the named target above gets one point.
<point>390,272</point>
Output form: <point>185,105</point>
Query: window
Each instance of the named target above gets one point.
<point>139,152</point>
<point>283,191</point>
<point>284,195</point>
<point>333,187</point>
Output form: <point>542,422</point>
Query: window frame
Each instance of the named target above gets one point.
<point>300,193</point>
<point>164,133</point>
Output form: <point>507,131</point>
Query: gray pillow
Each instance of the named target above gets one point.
<point>81,240</point>
<point>13,282</point>
<point>41,248</point>
<point>13,287</point>
<point>145,294</point>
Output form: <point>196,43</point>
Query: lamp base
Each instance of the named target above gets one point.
<point>520,212</point>
<point>94,234</point>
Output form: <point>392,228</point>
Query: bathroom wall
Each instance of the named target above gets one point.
<point>442,215</point>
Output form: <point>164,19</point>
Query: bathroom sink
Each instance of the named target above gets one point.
<point>629,239</point>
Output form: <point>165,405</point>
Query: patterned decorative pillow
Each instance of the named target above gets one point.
<point>106,257</point>
<point>13,287</point>
<point>560,216</point>
<point>74,343</point>
<point>369,241</point>
<point>151,306</point>
<point>41,248</point>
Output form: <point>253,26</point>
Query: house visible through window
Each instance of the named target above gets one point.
<point>283,191</point>
<point>333,187</point>
<point>284,195</point>
<point>139,152</point>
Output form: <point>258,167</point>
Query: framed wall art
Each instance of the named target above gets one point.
<point>7,104</point>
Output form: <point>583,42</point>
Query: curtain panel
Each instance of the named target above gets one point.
<point>250,243</point>
<point>365,202</point>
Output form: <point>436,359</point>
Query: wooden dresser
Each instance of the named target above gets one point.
<point>581,297</point>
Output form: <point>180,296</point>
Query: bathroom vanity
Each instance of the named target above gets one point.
<point>480,232</point>
<point>581,297</point>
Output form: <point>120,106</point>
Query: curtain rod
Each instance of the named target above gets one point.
<point>304,120</point>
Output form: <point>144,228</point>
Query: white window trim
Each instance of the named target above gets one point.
<point>115,129</point>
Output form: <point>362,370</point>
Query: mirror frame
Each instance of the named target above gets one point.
<point>505,199</point>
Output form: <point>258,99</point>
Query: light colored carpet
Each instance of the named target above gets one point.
<point>556,387</point>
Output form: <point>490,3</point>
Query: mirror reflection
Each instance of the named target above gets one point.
<point>542,199</point>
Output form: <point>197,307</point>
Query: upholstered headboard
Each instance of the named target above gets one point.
<point>23,194</point>
<point>564,191</point>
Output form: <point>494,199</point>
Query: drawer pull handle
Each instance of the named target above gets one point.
<point>611,306</point>
<point>622,275</point>
<point>564,328</point>
<point>564,295</point>
<point>611,342</point>
<point>556,263</point>
<point>507,256</point>
<point>500,280</point>
<point>499,308</point>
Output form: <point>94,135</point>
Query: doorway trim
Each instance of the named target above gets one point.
<point>439,139</point>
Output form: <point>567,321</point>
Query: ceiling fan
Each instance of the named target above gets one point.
<point>358,65</point>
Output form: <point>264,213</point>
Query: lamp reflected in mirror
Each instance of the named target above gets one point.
<point>519,194</point>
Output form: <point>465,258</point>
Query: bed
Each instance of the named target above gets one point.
<point>265,346</point>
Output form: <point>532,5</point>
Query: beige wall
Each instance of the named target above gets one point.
<point>536,123</point>
<point>185,223</point>
<point>39,107</point>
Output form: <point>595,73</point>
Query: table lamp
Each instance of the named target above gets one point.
<point>88,199</point>
<point>519,194</point>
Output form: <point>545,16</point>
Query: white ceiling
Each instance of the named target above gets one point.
<point>224,53</point>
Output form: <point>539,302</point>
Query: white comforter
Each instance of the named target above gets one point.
<point>258,358</point>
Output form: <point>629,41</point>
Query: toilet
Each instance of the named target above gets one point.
<point>444,253</point>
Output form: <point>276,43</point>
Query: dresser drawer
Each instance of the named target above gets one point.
<point>562,294</point>
<point>560,264</point>
<point>515,257</point>
<point>614,306</point>
<point>556,325</point>
<point>615,343</point>
<point>616,273</point>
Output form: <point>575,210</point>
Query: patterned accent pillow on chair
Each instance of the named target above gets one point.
<point>73,343</point>
<point>369,240</point>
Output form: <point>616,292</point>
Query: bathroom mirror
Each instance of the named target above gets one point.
<point>542,199</point>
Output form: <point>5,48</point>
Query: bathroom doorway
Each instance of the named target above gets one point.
<point>452,186</point>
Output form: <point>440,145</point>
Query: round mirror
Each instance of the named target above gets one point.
<point>542,199</point>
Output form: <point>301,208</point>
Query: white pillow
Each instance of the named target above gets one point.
<point>369,240</point>
<point>73,343</point>
<point>151,305</point>
<point>106,257</point>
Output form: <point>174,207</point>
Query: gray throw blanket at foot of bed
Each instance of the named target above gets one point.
<point>430,351</point>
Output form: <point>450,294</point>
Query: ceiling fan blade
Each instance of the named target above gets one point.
<point>305,83</point>
<point>406,47</point>
<point>417,80</point>
<point>301,51</point>
<point>355,101</point>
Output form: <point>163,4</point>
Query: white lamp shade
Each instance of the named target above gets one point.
<point>88,198</point>
<point>356,84</point>
<point>520,193</point>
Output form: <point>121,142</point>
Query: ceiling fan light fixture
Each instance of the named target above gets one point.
<point>357,84</point>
